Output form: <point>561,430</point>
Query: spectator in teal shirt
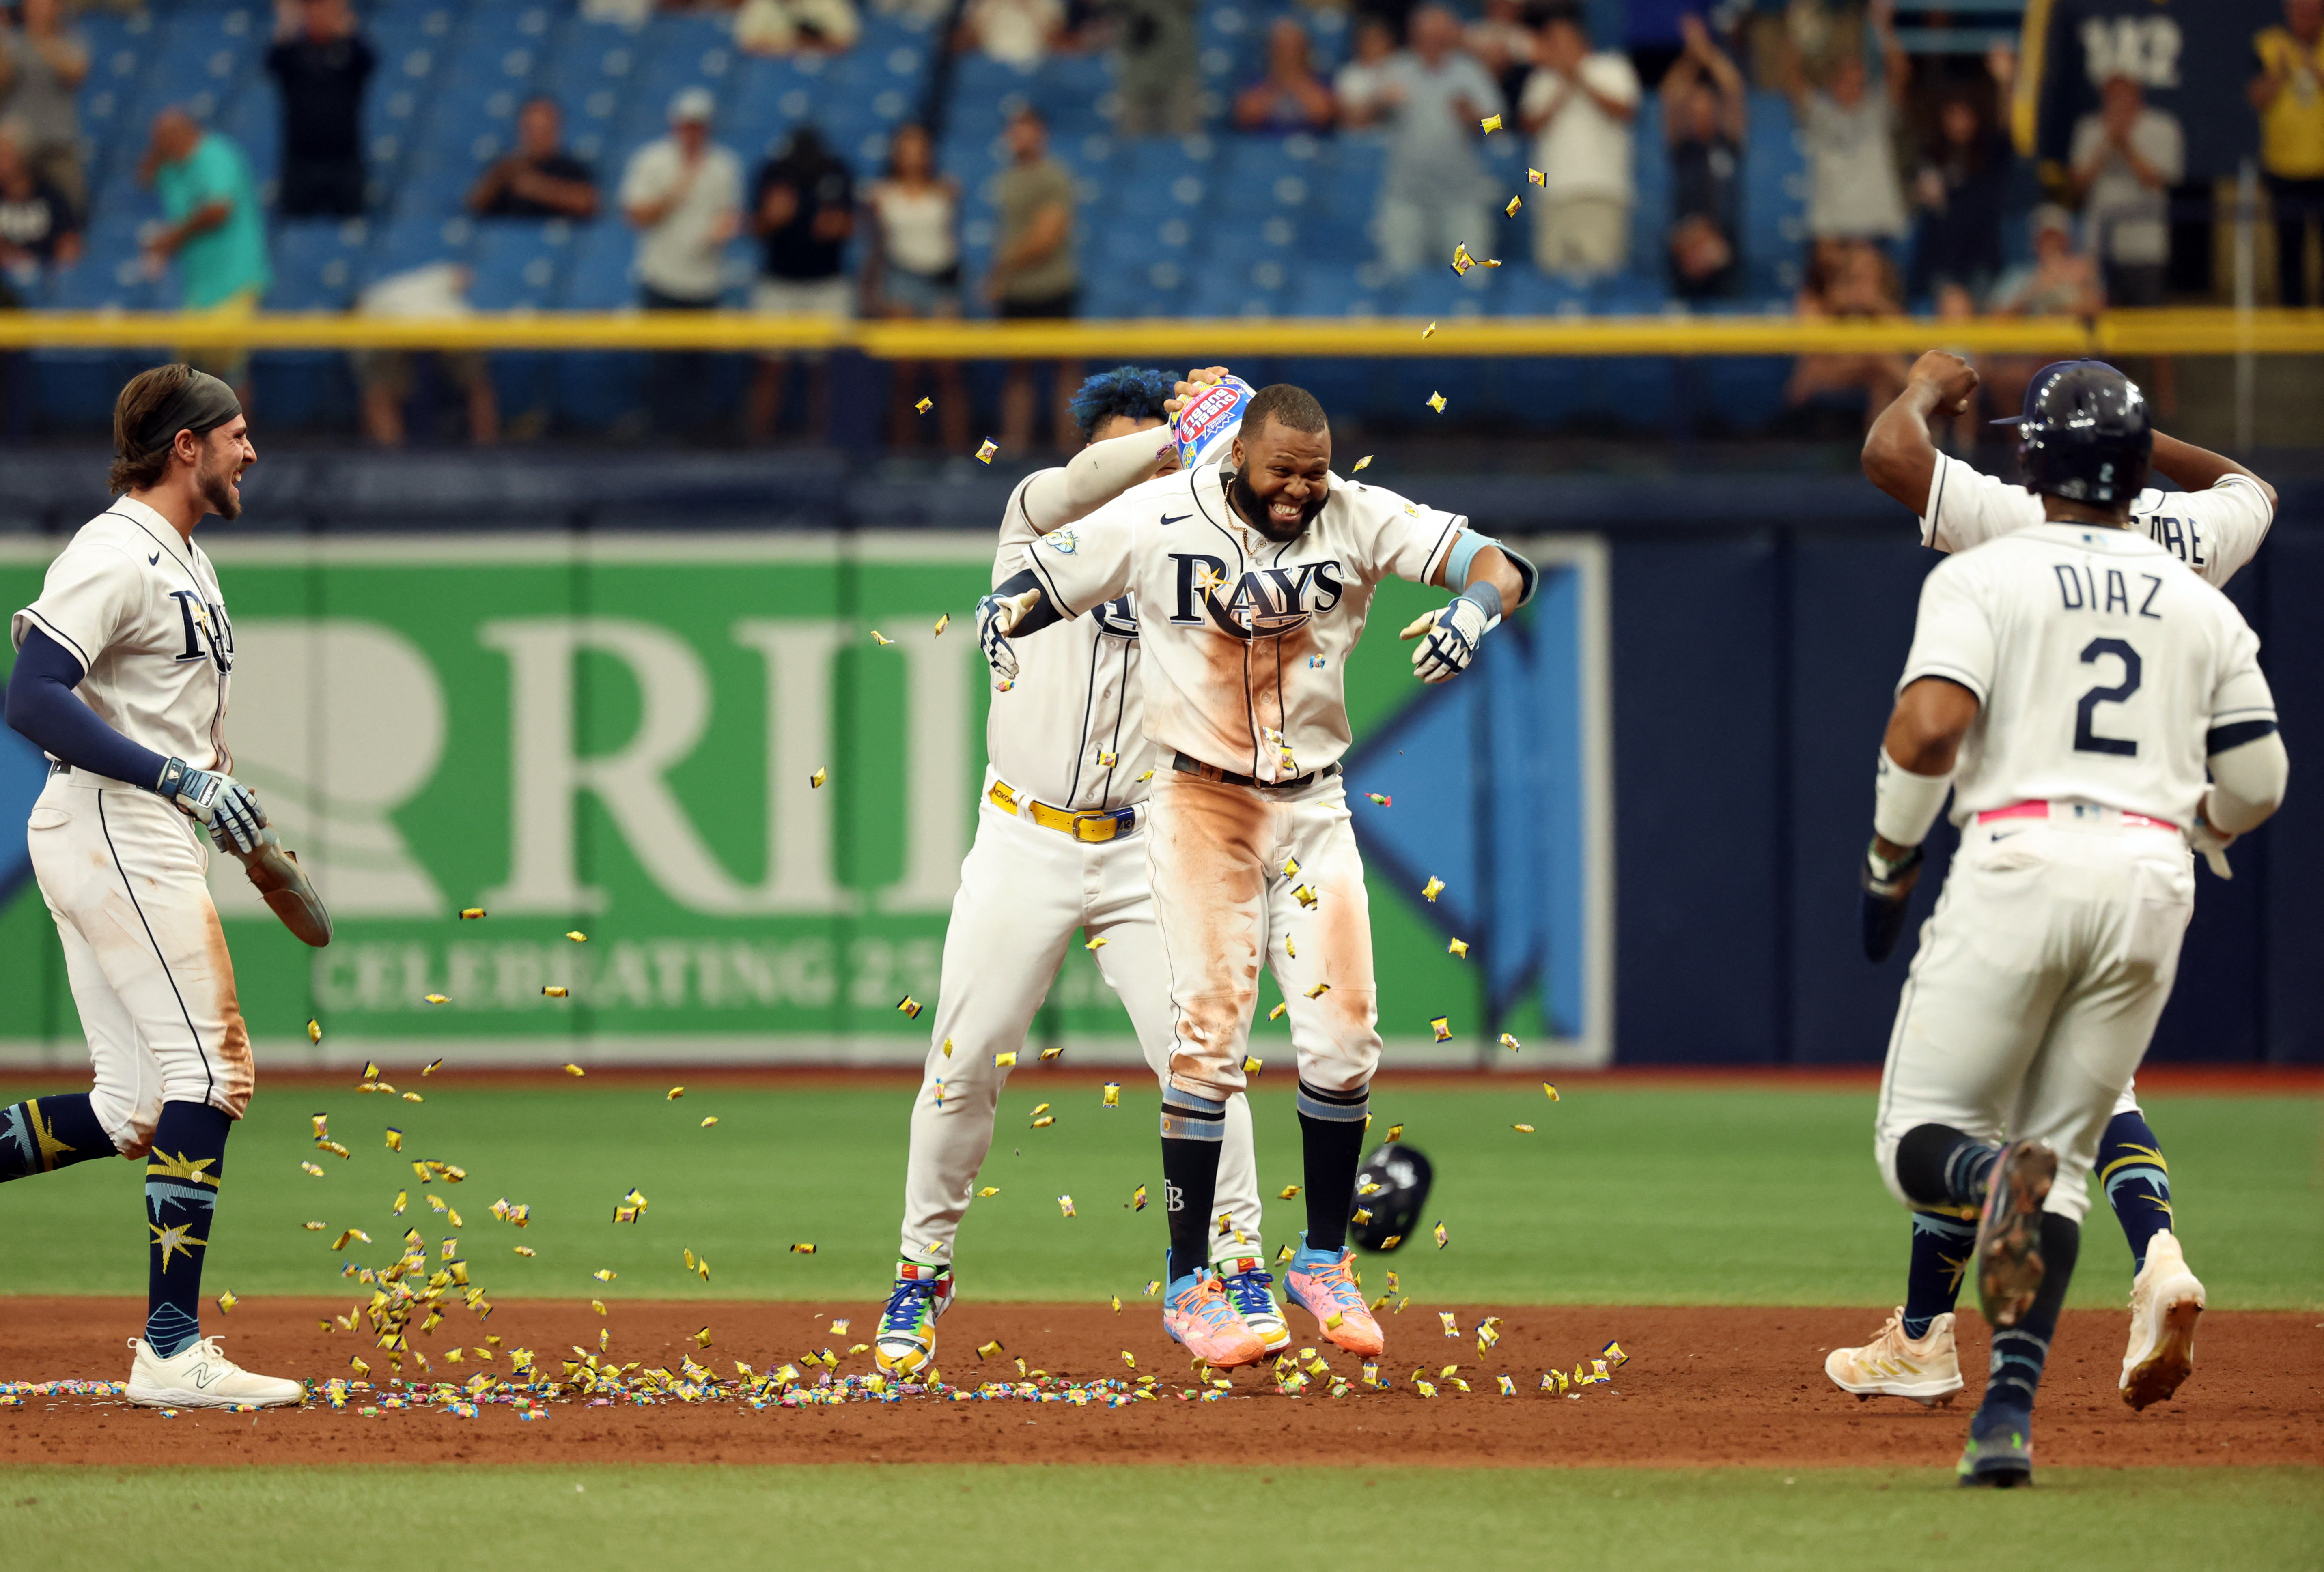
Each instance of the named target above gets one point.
<point>215,233</point>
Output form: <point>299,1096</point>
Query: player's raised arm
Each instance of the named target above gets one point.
<point>1898,456</point>
<point>1488,581</point>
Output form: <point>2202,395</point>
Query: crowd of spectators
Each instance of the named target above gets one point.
<point>1915,194</point>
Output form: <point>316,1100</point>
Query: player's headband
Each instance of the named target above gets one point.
<point>204,404</point>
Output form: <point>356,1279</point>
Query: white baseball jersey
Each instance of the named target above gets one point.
<point>1069,729</point>
<point>140,608</point>
<point>1243,638</point>
<point>2215,531</point>
<point>2100,663</point>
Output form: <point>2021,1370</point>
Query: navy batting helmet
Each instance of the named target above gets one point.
<point>2085,436</point>
<point>1391,1188</point>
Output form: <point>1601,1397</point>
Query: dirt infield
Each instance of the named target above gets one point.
<point>1703,1387</point>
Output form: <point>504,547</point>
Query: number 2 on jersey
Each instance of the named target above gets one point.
<point>2085,737</point>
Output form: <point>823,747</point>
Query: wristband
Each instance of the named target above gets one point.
<point>1905,804</point>
<point>173,775</point>
<point>1487,598</point>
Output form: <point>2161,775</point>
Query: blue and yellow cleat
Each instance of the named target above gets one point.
<point>907,1344</point>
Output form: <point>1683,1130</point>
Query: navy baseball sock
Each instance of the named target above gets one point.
<point>2020,1351</point>
<point>50,1133</point>
<point>1939,1166</point>
<point>2137,1182</point>
<point>1193,1127</point>
<point>1331,1142</point>
<point>181,1184</point>
<point>1942,1247</point>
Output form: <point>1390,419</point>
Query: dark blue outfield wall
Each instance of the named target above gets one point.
<point>1753,673</point>
<point>1759,621</point>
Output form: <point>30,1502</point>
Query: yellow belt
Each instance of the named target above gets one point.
<point>1103,825</point>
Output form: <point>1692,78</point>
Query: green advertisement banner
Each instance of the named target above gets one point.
<point>622,737</point>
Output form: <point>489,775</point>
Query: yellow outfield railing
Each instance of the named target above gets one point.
<point>2193,331</point>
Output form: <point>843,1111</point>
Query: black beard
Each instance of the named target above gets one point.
<point>1254,512</point>
<point>217,491</point>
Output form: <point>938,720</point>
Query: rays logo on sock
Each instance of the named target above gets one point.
<point>1174,1200</point>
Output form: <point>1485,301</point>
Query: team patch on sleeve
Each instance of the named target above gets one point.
<point>1062,540</point>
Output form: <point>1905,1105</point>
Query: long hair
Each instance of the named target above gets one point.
<point>148,391</point>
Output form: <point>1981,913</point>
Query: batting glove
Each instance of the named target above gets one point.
<point>1448,639</point>
<point>2212,844</point>
<point>228,809</point>
<point>996,619</point>
<point>1887,894</point>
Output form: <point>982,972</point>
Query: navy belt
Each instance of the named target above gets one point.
<point>1196,766</point>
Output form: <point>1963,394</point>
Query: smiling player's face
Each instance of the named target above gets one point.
<point>1283,477</point>
<point>226,451</point>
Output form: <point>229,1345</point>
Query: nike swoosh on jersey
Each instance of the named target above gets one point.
<point>1173,519</point>
<point>154,560</point>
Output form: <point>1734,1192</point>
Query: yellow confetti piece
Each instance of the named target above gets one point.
<point>1613,1353</point>
<point>1137,1204</point>
<point>1489,124</point>
<point>577,935</point>
<point>1097,943</point>
<point>413,1096</point>
<point>1523,1129</point>
<point>1319,990</point>
<point>708,1123</point>
<point>1442,1238</point>
<point>1045,1121</point>
<point>1360,1216</point>
<point>1515,203</point>
<point>943,622</point>
<point>815,780</point>
<point>1448,1372</point>
<point>341,1153</point>
<point>1552,1091</point>
<point>984,453</point>
<point>1432,889</point>
<point>371,1070</point>
<point>355,1235</point>
<point>1005,1061</point>
<point>1305,895</point>
<point>1436,402</point>
<point>1395,1132</point>
<point>575,1069</point>
<point>227,1302</point>
<point>880,637</point>
<point>673,1094</point>
<point>1107,759</point>
<point>1428,332</point>
<point>1065,1205</point>
<point>1153,1287</point>
<point>1113,1092</point>
<point>1536,177</point>
<point>1252,1064</point>
<point>604,1275</point>
<point>394,1139</point>
<point>1462,261</point>
<point>910,1008</point>
<point>1049,1053</point>
<point>598,1305</point>
<point>433,999</point>
<point>1458,947</point>
<point>314,1031</point>
<point>552,991</point>
<point>322,1123</point>
<point>310,1167</point>
<point>1276,1013</point>
<point>1361,465</point>
<point>988,1192</point>
<point>435,1203</point>
<point>702,1338</point>
<point>1291,947</point>
<point>1510,1043</point>
<point>432,1067</point>
<point>470,914</point>
<point>1452,1327</point>
<point>925,405</point>
<point>314,1228</point>
<point>1443,1026</point>
<point>1286,1253</point>
<point>987,1350</point>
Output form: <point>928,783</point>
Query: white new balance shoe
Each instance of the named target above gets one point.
<point>1926,1369</point>
<point>199,1375</point>
<point>2165,1301</point>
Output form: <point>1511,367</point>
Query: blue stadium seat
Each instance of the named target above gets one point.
<point>1774,199</point>
<point>410,243</point>
<point>317,263</point>
<point>598,275</point>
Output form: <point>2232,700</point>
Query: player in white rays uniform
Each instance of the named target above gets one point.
<point>2071,684</point>
<point>2214,523</point>
<point>1252,582</point>
<point>1059,851</point>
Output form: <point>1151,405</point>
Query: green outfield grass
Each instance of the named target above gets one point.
<point>515,1519</point>
<point>1724,1196</point>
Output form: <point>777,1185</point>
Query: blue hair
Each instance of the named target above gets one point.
<point>1136,392</point>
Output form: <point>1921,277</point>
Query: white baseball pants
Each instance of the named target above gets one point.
<point>1024,892</point>
<point>2036,988</point>
<point>122,872</point>
<point>1219,856</point>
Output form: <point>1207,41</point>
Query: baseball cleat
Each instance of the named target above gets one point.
<point>907,1344</point>
<point>1250,1290</point>
<point>2003,1460</point>
<point>1197,1311</point>
<point>199,1375</point>
<point>2009,1231</point>
<point>2165,1302</point>
<point>1926,1369</point>
<point>1323,1284</point>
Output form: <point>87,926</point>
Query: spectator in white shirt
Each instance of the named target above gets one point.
<point>2126,157</point>
<point>684,194</point>
<point>1436,194</point>
<point>1578,106</point>
<point>1017,32</point>
<point>1356,89</point>
<point>1854,189</point>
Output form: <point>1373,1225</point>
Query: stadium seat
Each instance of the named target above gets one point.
<point>318,263</point>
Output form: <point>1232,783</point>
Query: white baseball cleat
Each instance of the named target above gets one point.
<point>199,1375</point>
<point>2165,1302</point>
<point>1926,1369</point>
<point>1249,1290</point>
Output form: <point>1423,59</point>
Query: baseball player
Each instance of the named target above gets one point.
<point>1059,848</point>
<point>1252,582</point>
<point>2214,525</point>
<point>2068,684</point>
<point>121,676</point>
